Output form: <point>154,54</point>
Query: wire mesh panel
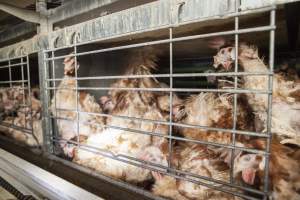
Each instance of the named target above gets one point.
<point>17,110</point>
<point>193,142</point>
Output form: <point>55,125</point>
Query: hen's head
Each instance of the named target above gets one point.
<point>106,104</point>
<point>163,102</point>
<point>225,58</point>
<point>248,165</point>
<point>70,67</point>
<point>154,155</point>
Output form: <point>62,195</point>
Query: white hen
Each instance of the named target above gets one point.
<point>285,105</point>
<point>118,139</point>
<point>216,111</point>
<point>197,160</point>
<point>284,175</point>
<point>28,120</point>
<point>63,105</point>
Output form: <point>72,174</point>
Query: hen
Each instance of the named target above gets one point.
<point>163,103</point>
<point>213,110</point>
<point>284,175</point>
<point>11,99</point>
<point>117,139</point>
<point>63,106</point>
<point>285,105</point>
<point>197,160</point>
<point>28,119</point>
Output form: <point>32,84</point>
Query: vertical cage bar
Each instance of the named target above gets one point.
<point>47,125</point>
<point>170,98</point>
<point>10,85</point>
<point>270,95</point>
<point>23,89</point>
<point>9,73</point>
<point>29,98</point>
<point>236,45</point>
<point>54,92</point>
<point>76,88</point>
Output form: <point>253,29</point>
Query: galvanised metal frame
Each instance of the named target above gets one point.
<point>22,84</point>
<point>116,25</point>
<point>228,187</point>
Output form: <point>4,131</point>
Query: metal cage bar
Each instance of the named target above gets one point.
<point>22,74</point>
<point>241,132</point>
<point>228,146</point>
<point>177,75</point>
<point>269,110</point>
<point>54,84</point>
<point>47,126</point>
<point>238,91</point>
<point>236,45</point>
<point>166,41</point>
<point>76,92</point>
<point>170,99</point>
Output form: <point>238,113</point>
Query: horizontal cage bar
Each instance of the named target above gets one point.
<point>177,75</point>
<point>241,31</point>
<point>238,91</point>
<point>153,166</point>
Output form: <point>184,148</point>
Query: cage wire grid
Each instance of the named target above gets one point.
<point>22,85</point>
<point>228,187</point>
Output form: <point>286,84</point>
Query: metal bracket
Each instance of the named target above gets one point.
<point>74,37</point>
<point>54,42</point>
<point>11,53</point>
<point>176,6</point>
<point>22,51</point>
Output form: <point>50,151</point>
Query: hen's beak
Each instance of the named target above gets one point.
<point>216,65</point>
<point>104,99</point>
<point>227,65</point>
<point>248,176</point>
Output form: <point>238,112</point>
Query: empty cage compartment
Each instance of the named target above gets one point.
<point>20,100</point>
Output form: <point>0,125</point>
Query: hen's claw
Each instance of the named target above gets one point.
<point>156,175</point>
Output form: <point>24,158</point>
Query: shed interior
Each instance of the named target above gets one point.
<point>190,56</point>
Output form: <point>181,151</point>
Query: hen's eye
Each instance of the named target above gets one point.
<point>247,158</point>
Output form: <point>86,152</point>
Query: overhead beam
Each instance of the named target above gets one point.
<point>74,8</point>
<point>144,18</point>
<point>17,3</point>
<point>26,15</point>
<point>16,32</point>
<point>139,19</point>
<point>39,17</point>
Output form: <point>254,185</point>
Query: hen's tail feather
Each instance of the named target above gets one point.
<point>143,60</point>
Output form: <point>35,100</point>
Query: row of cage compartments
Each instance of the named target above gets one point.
<point>101,58</point>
